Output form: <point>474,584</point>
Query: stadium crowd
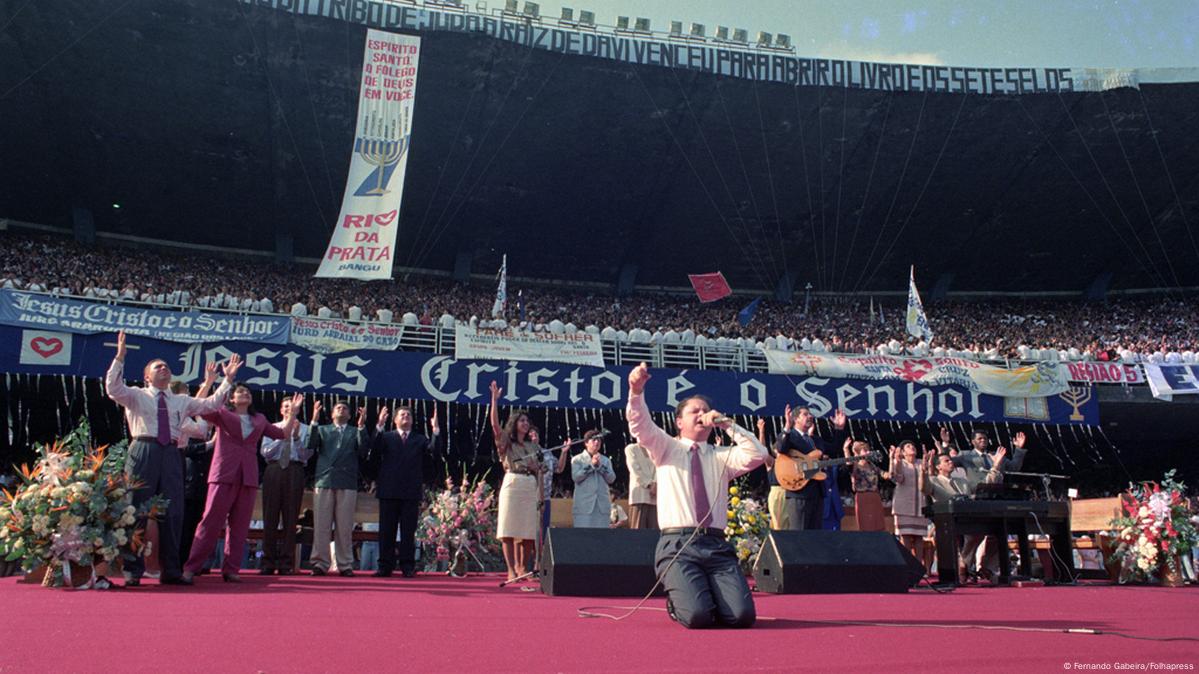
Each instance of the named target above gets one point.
<point>1129,329</point>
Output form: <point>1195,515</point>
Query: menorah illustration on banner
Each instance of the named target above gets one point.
<point>382,146</point>
<point>1076,397</point>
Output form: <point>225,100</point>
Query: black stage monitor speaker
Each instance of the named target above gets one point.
<point>599,562</point>
<point>834,562</point>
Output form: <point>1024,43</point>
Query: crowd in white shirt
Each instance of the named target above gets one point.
<point>1154,329</point>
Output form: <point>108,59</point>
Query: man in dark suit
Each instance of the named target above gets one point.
<point>397,460</point>
<point>804,508</point>
<point>980,458</point>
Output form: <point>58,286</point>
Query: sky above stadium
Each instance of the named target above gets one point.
<point>1058,33</point>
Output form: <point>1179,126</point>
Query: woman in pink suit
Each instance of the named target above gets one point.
<point>233,480</point>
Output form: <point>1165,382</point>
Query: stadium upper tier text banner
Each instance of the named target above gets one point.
<point>364,237</point>
<point>47,312</point>
<point>406,375</point>
<point>580,348</point>
<point>1169,380</point>
<point>726,57</point>
<point>1031,381</point>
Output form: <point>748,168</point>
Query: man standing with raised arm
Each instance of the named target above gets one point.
<point>397,460</point>
<point>154,415</point>
<point>698,568</point>
<point>339,451</point>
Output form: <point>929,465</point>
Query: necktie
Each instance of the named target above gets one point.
<point>703,509</point>
<point>285,452</point>
<point>403,438</point>
<point>164,420</point>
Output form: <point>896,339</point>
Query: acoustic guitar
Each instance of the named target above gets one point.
<point>796,469</point>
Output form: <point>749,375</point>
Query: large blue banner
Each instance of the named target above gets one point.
<point>47,312</point>
<point>393,374</point>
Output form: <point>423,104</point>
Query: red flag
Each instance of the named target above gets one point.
<point>710,287</point>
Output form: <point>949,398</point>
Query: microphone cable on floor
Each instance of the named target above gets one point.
<point>589,612</point>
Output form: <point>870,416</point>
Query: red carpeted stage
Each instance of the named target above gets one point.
<point>437,623</point>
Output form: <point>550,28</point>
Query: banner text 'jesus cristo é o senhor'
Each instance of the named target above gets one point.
<point>47,312</point>
<point>406,375</point>
<point>364,237</point>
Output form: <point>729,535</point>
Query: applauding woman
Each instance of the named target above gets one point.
<point>520,490</point>
<point>233,479</point>
<point>867,505</point>
<point>907,505</point>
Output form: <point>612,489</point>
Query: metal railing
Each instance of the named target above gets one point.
<point>441,340</point>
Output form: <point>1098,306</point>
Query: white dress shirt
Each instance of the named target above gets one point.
<point>672,456</point>
<point>141,403</point>
<point>189,429</point>
<point>641,475</point>
<point>272,449</point>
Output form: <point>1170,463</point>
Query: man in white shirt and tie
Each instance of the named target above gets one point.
<point>154,415</point>
<point>282,495</point>
<point>698,568</point>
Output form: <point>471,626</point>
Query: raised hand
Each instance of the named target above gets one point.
<point>231,367</point>
<point>1018,441</point>
<point>839,419</point>
<point>383,414</point>
<point>638,377</point>
<point>297,405</point>
<point>316,411</point>
<point>210,373</point>
<point>999,455</point>
<point>787,416</point>
<point>433,423</point>
<point>496,391</point>
<point>362,417</point>
<point>846,446</point>
<point>121,346</point>
<point>761,425</point>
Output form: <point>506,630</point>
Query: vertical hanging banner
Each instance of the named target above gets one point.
<point>363,242</point>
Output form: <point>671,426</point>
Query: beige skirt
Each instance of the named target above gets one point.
<point>911,525</point>
<point>518,507</point>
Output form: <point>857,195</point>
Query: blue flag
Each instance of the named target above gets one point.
<point>747,314</point>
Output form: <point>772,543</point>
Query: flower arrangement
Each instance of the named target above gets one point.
<point>459,517</point>
<point>747,527</point>
<point>75,506</point>
<point>1154,530</point>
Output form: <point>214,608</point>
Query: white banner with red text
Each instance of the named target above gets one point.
<point>1031,381</point>
<point>505,344</point>
<point>331,336</point>
<point>363,242</point>
<point>1095,372</point>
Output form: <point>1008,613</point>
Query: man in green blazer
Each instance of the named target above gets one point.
<point>339,449</point>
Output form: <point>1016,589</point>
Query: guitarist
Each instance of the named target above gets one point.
<point>803,509</point>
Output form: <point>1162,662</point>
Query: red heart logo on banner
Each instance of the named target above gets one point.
<point>384,219</point>
<point>46,347</point>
